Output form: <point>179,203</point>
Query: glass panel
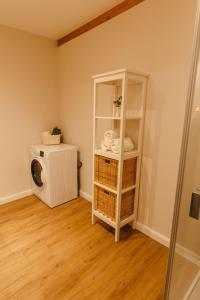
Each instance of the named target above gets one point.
<point>185,276</point>
<point>36,170</point>
<point>187,250</point>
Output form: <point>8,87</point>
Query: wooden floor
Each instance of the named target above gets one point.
<point>57,254</point>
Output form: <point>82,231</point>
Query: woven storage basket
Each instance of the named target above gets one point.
<point>127,204</point>
<point>129,172</point>
<point>106,171</point>
<point>106,203</point>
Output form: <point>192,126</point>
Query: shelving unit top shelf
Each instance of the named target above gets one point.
<point>115,77</point>
<point>120,71</point>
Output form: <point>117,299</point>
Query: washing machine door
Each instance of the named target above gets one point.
<point>38,172</point>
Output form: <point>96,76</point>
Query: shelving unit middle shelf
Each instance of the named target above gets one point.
<point>119,109</point>
<point>132,187</point>
<point>109,154</point>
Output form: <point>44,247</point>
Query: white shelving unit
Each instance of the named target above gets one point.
<point>132,87</point>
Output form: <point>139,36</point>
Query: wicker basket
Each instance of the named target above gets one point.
<point>106,203</point>
<point>129,172</point>
<point>127,204</point>
<point>106,170</point>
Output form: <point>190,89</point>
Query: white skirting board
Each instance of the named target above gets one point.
<point>188,254</point>
<point>14,197</point>
<point>86,196</point>
<point>192,287</point>
<point>155,235</point>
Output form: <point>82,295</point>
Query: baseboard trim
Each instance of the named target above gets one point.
<point>14,197</point>
<point>162,239</point>
<point>192,287</point>
<point>188,254</point>
<point>86,196</point>
<point>155,235</point>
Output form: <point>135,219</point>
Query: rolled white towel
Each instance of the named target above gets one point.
<point>128,145</point>
<point>104,147</point>
<point>115,146</point>
<point>108,140</point>
<point>106,144</point>
<point>111,134</point>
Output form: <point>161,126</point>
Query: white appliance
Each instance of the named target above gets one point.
<point>54,173</point>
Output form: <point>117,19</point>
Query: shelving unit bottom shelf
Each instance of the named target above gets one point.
<point>110,222</point>
<point>104,218</point>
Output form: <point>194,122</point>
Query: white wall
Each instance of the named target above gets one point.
<point>156,38</point>
<point>28,103</point>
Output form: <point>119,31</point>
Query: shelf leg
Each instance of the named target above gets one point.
<point>134,225</point>
<point>94,219</point>
<point>117,234</point>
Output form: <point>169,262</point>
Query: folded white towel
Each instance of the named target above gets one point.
<point>108,140</point>
<point>111,134</point>
<point>115,148</point>
<point>128,145</point>
<point>106,145</point>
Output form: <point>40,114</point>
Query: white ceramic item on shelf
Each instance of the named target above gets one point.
<point>116,111</point>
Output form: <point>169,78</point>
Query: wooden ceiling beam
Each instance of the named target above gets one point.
<point>113,12</point>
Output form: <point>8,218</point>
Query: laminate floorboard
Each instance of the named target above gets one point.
<point>57,254</point>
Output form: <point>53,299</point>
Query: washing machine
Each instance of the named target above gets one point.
<point>54,173</point>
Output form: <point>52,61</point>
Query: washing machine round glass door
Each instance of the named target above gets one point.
<point>37,172</point>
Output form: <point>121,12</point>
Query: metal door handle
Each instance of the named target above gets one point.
<point>195,206</point>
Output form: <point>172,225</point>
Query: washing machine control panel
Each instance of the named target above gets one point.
<point>38,153</point>
<point>41,153</point>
